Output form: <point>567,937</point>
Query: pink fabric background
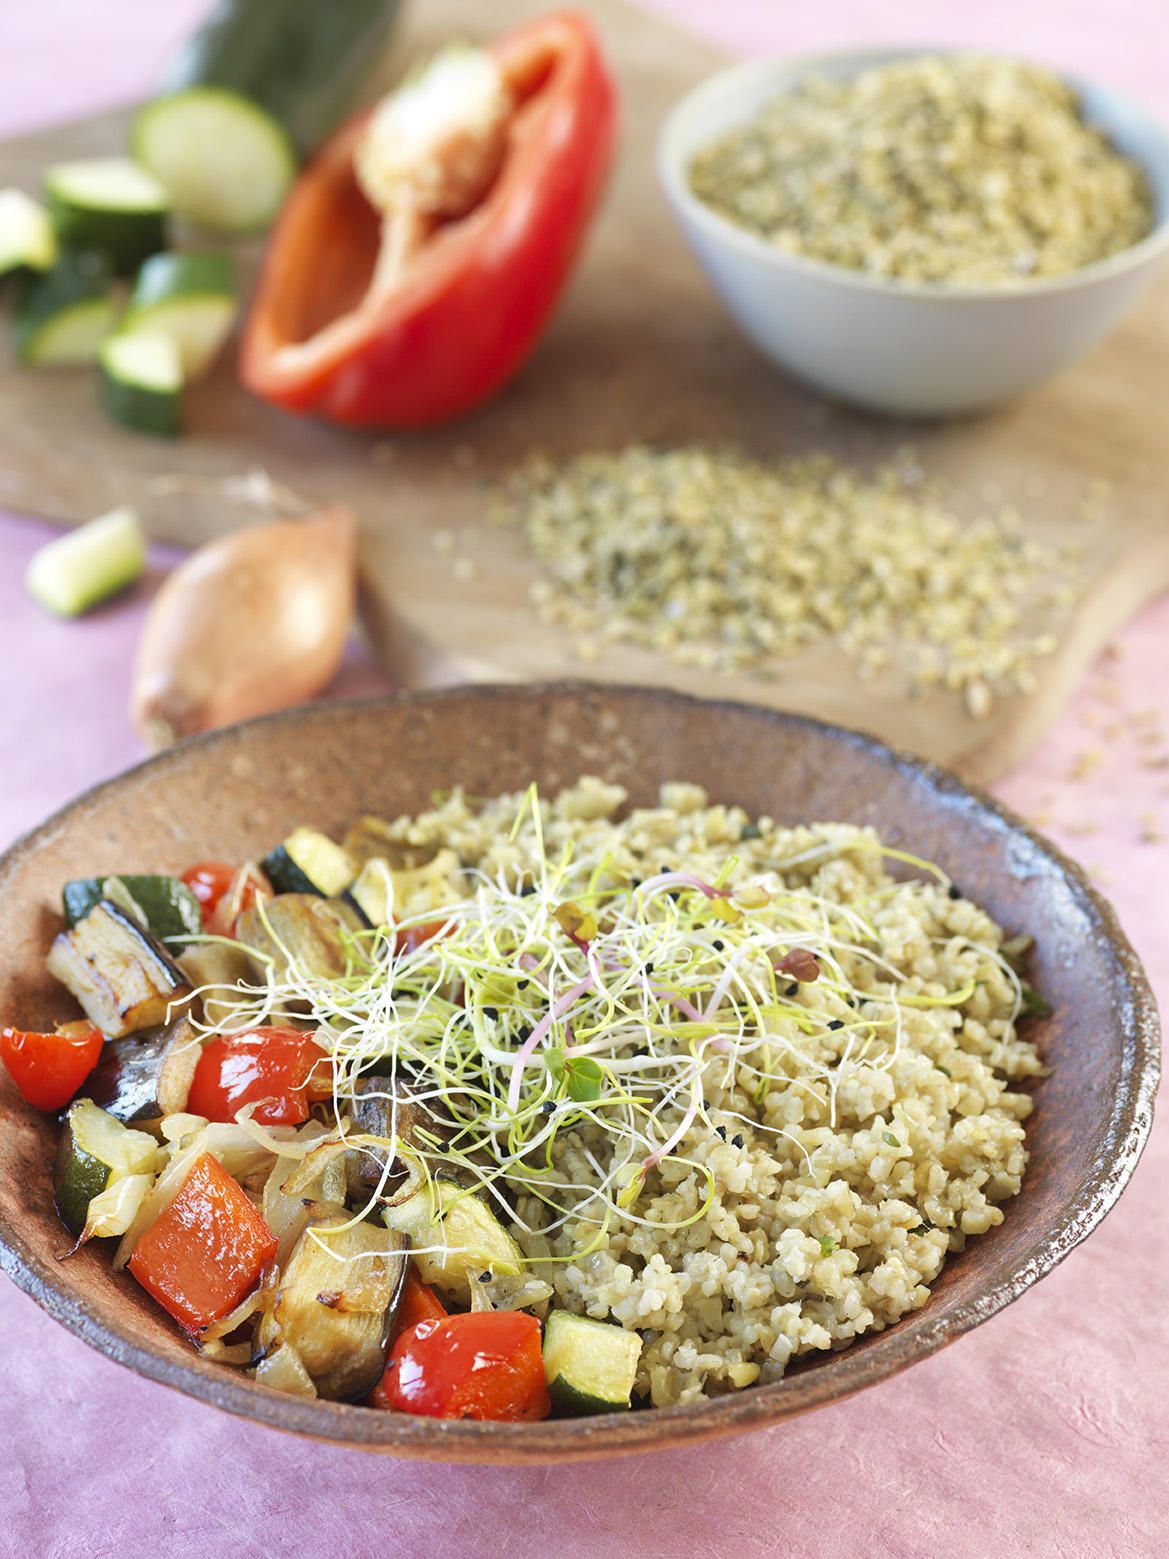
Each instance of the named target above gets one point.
<point>1043,1433</point>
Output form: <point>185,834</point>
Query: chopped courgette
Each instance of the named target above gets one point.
<point>96,1153</point>
<point>110,205</point>
<point>66,314</point>
<point>469,1237</point>
<point>590,1365</point>
<point>166,907</point>
<point>190,299</point>
<point>142,382</point>
<point>148,1075</point>
<point>122,976</point>
<point>27,240</point>
<point>336,1302</point>
<point>309,862</point>
<point>88,565</point>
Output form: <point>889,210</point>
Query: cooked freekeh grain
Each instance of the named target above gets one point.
<point>956,169</point>
<point>722,562</point>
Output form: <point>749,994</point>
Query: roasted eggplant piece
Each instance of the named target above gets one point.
<point>220,974</point>
<point>336,1314</point>
<point>164,905</point>
<point>309,862</point>
<point>123,978</point>
<point>301,927</point>
<point>148,1075</point>
<point>373,1111</point>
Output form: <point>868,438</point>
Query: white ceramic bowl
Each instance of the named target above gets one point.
<point>904,348</point>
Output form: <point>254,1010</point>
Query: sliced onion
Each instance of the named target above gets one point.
<point>283,1370</point>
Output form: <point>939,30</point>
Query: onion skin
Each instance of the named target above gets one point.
<point>249,623</point>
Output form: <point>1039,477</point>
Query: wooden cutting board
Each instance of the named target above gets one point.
<point>640,351</point>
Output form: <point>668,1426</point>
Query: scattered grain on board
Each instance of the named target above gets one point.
<point>726,563</point>
<point>959,169</point>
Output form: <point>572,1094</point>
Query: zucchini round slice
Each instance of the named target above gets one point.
<point>310,862</point>
<point>90,564</point>
<point>226,163</point>
<point>191,299</point>
<point>142,381</point>
<point>27,240</point>
<point>67,313</point>
<point>590,1365</point>
<point>111,205</point>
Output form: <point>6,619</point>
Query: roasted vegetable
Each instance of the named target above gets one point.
<point>380,1108</point>
<point>469,1237</point>
<point>302,928</point>
<point>120,974</point>
<point>309,862</point>
<point>279,1071</point>
<point>487,1366</point>
<point>335,1304</point>
<point>166,907</point>
<point>148,1075</point>
<point>220,974</point>
<point>590,1365</point>
<point>48,1069</point>
<point>205,1252</point>
<point>103,1171</point>
<point>373,839</point>
<point>299,1190</point>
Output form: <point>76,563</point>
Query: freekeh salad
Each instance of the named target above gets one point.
<point>525,1106</point>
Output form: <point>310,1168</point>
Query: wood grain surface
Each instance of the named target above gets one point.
<point>640,351</point>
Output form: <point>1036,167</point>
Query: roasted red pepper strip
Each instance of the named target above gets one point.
<point>280,1070</point>
<point>470,304</point>
<point>485,1364</point>
<point>48,1069</point>
<point>206,1251</point>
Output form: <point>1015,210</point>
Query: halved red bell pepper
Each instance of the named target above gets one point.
<point>485,1364</point>
<point>468,304</point>
<point>206,1251</point>
<point>48,1069</point>
<point>280,1070</point>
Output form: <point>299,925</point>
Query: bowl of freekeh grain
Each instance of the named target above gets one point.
<point>818,1181</point>
<point>922,234</point>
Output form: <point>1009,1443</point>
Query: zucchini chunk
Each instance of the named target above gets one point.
<point>75,571</point>
<point>142,382</point>
<point>309,862</point>
<point>109,205</point>
<point>471,1238</point>
<point>27,240</point>
<point>123,978</point>
<point>148,1075</point>
<point>166,907</point>
<point>300,927</point>
<point>336,1314</point>
<point>385,893</point>
<point>95,1154</point>
<point>590,1365</point>
<point>66,314</point>
<point>188,298</point>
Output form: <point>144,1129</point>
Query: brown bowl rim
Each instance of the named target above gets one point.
<point>840,1375</point>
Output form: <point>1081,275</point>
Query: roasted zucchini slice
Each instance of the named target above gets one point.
<point>469,1238</point>
<point>590,1365</point>
<point>310,862</point>
<point>95,1155</point>
<point>301,928</point>
<point>167,907</point>
<point>122,976</point>
<point>148,1075</point>
<point>336,1302</point>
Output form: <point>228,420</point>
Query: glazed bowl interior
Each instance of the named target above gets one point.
<point>908,348</point>
<point>230,795</point>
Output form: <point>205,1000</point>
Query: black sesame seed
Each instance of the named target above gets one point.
<point>737,1140</point>
<point>954,891</point>
<point>666,868</point>
<point>548,1107</point>
<point>721,1131</point>
<point>522,985</point>
<point>674,894</point>
<point>636,883</point>
<point>751,831</point>
<point>718,944</point>
<point>528,887</point>
<point>491,1014</point>
<point>793,989</point>
<point>485,1277</point>
<point>649,968</point>
<point>836,1024</point>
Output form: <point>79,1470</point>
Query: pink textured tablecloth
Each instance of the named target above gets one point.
<point>1045,1432</point>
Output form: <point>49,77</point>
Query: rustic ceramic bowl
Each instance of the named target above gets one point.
<point>233,793</point>
<point>904,348</point>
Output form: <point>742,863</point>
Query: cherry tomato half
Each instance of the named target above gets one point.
<point>280,1070</point>
<point>486,1364</point>
<point>410,938</point>
<point>48,1069</point>
<point>209,881</point>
